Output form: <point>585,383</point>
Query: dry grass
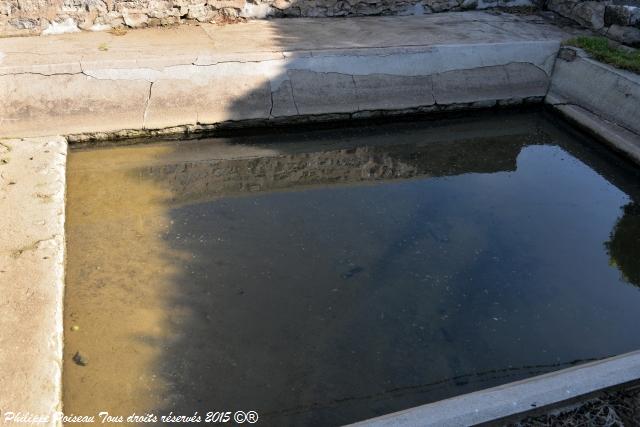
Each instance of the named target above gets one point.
<point>615,409</point>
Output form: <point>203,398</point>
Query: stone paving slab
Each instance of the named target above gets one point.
<point>32,203</point>
<point>270,70</point>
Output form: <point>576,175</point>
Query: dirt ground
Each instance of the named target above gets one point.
<point>621,408</point>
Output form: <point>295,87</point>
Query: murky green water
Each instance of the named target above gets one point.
<point>326,277</point>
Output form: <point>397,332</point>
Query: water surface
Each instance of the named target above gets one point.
<point>326,277</point>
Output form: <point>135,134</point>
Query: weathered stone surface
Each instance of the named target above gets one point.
<point>567,54</point>
<point>388,92</point>
<point>442,5</point>
<point>608,132</point>
<point>35,16</point>
<point>615,97</point>
<point>613,20</point>
<point>39,105</point>
<point>507,401</point>
<point>562,7</point>
<point>322,93</point>
<point>207,98</point>
<point>626,35</point>
<point>617,14</point>
<point>134,19</point>
<point>469,4</point>
<point>32,196</point>
<point>590,14</point>
<point>253,72</point>
<point>282,100</point>
<point>495,83</point>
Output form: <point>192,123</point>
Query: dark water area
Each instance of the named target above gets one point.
<point>332,276</point>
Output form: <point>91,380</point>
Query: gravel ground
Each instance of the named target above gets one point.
<point>620,408</point>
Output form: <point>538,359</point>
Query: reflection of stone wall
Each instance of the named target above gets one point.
<point>202,180</point>
<point>52,16</point>
<point>617,21</point>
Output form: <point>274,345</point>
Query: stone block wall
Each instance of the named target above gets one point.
<point>617,21</point>
<point>25,17</point>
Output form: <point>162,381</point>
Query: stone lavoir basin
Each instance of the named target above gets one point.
<point>330,276</point>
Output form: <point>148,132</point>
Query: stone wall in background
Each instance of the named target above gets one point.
<point>612,18</point>
<point>24,17</point>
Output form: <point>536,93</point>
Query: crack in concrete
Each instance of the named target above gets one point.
<point>146,106</point>
<point>31,247</point>
<point>424,75</point>
<point>35,73</point>
<point>355,90</point>
<point>284,58</point>
<point>236,61</point>
<point>293,95</point>
<point>271,96</point>
<point>433,90</point>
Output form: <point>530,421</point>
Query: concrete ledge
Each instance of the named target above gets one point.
<point>278,72</point>
<point>600,99</point>
<point>609,133</point>
<point>32,196</point>
<point>599,88</point>
<point>519,397</point>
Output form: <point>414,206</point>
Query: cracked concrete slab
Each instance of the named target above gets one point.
<point>284,69</point>
<point>387,92</point>
<point>511,81</point>
<point>32,196</point>
<point>207,99</point>
<point>143,45</point>
<point>323,93</point>
<point>34,105</point>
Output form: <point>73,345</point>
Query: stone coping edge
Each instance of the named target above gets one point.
<point>32,274</point>
<point>312,121</point>
<point>619,139</point>
<point>520,397</point>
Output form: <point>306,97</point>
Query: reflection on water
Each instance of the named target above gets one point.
<point>624,244</point>
<point>326,277</point>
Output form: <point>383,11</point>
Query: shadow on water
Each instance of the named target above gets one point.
<point>303,302</point>
<point>315,298</point>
